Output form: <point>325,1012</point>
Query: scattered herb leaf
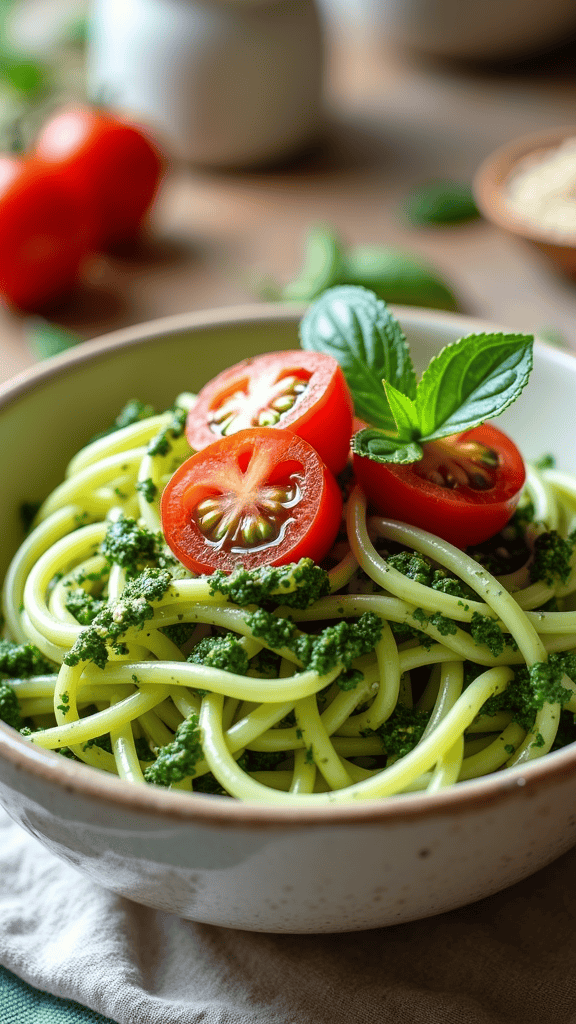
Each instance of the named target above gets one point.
<point>46,339</point>
<point>440,202</point>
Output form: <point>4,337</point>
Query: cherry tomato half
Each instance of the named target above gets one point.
<point>465,489</point>
<point>260,496</point>
<point>43,234</point>
<point>111,166</point>
<point>304,392</point>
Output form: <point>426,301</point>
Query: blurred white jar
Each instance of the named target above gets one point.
<point>226,83</point>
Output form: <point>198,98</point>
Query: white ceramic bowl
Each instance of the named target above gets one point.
<point>249,866</point>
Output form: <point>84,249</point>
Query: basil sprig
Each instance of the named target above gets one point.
<point>466,383</point>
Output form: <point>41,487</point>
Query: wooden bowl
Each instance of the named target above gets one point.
<point>489,187</point>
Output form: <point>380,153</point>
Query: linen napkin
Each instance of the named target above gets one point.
<point>508,959</point>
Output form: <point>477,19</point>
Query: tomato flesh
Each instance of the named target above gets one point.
<point>464,490</point>
<point>304,392</point>
<point>260,496</point>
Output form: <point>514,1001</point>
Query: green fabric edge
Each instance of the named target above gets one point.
<point>20,1003</point>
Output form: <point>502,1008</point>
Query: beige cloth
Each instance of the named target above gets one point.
<point>509,959</point>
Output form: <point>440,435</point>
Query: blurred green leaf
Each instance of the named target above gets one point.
<point>46,339</point>
<point>75,32</point>
<point>440,202</point>
<point>323,265</point>
<point>23,74</point>
<point>554,336</point>
<point>264,287</point>
<point>394,275</point>
<point>398,277</point>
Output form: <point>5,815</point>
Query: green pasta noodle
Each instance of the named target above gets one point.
<point>382,685</point>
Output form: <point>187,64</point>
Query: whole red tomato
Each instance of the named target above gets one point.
<point>111,166</point>
<point>43,234</point>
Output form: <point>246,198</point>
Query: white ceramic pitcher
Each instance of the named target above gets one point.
<point>225,82</point>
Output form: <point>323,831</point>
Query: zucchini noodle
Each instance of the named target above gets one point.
<point>422,706</point>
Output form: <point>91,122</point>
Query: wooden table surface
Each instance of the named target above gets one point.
<point>393,120</point>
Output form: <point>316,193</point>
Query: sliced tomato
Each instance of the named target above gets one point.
<point>304,392</point>
<point>465,489</point>
<point>260,496</point>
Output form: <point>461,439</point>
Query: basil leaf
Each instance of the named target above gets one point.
<point>353,325</point>
<point>76,31</point>
<point>323,263</point>
<point>404,412</point>
<point>472,380</point>
<point>46,339</point>
<point>374,444</point>
<point>25,76</point>
<point>397,276</point>
<point>553,336</point>
<point>440,202</point>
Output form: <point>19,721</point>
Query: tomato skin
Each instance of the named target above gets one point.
<point>463,515</point>
<point>322,415</point>
<point>43,234</point>
<point>242,464</point>
<point>111,166</point>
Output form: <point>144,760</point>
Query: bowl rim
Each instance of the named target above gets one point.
<point>490,177</point>
<point>185,808</point>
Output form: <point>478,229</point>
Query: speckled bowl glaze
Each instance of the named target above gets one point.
<point>249,866</point>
